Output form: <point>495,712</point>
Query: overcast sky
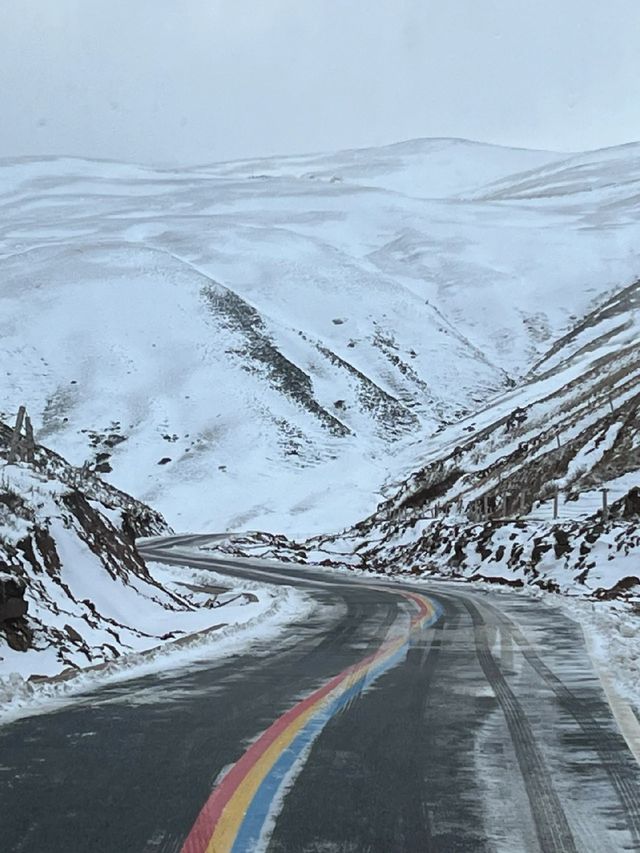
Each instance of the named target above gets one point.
<point>184,81</point>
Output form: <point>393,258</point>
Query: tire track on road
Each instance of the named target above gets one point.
<point>608,746</point>
<point>552,827</point>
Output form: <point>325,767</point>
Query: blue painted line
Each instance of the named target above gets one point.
<point>270,787</point>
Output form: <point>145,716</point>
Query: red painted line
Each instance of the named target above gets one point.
<point>201,833</point>
<point>198,839</point>
<point>423,607</point>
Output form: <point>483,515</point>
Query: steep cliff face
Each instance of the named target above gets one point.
<point>74,590</point>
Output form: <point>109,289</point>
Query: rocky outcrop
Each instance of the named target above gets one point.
<point>13,611</point>
<point>71,578</point>
<point>12,603</point>
<point>631,504</point>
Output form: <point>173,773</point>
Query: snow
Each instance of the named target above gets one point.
<point>589,502</point>
<point>236,622</point>
<point>394,279</point>
<point>612,634</point>
<point>282,344</point>
<point>431,168</point>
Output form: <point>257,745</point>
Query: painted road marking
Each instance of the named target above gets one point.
<point>234,817</point>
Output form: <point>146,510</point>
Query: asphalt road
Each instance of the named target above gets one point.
<point>393,719</point>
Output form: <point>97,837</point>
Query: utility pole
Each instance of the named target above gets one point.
<point>555,506</point>
<point>605,505</point>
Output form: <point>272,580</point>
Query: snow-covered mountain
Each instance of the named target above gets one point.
<point>480,503</point>
<point>78,601</point>
<point>74,588</point>
<point>266,343</point>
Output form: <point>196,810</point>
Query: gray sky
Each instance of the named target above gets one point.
<point>172,81</point>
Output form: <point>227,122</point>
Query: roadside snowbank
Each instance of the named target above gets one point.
<point>612,632</point>
<point>241,616</point>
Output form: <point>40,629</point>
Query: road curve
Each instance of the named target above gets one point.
<point>395,718</point>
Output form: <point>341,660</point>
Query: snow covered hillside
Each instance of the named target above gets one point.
<point>74,591</point>
<point>67,543</point>
<point>262,344</point>
<point>514,493</point>
<point>78,604</point>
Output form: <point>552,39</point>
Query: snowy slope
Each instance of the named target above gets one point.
<point>481,504</point>
<point>428,168</point>
<point>262,344</point>
<point>74,591</point>
<point>572,426</point>
<point>67,540</point>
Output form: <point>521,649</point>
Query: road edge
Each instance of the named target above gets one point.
<point>623,711</point>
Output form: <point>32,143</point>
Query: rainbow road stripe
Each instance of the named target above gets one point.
<point>235,816</point>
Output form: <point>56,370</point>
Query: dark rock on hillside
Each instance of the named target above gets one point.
<point>12,603</point>
<point>13,611</point>
<point>58,522</point>
<point>631,507</point>
<point>261,354</point>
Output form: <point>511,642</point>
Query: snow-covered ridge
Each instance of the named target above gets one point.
<point>481,506</point>
<point>198,335</point>
<point>610,173</point>
<point>74,591</point>
<point>67,539</point>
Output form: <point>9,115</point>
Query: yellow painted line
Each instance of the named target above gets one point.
<point>227,826</point>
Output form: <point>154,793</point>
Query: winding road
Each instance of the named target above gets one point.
<point>395,717</point>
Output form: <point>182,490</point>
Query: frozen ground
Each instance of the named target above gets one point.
<point>272,344</point>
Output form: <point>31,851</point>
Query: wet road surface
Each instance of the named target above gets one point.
<point>395,718</point>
